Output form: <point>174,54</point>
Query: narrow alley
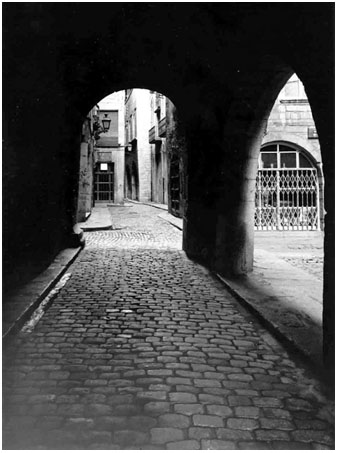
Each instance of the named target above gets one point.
<point>144,349</point>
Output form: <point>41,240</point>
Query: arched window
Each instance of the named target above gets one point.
<point>287,192</point>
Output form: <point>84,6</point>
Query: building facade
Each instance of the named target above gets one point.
<point>167,155</point>
<point>101,175</point>
<point>137,147</point>
<point>290,184</point>
<point>109,152</point>
<point>157,140</point>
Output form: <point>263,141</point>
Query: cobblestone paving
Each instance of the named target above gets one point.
<point>131,240</point>
<point>136,226</point>
<point>144,349</point>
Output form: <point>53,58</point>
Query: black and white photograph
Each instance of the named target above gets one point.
<point>168,225</point>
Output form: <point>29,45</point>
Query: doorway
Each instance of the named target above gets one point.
<point>104,182</point>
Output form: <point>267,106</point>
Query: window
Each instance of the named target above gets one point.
<point>288,160</point>
<point>269,160</point>
<point>287,192</point>
<point>280,155</point>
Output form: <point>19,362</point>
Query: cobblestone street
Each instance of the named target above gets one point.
<point>144,349</point>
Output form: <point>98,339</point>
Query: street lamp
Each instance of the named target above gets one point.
<point>106,123</point>
<point>100,128</point>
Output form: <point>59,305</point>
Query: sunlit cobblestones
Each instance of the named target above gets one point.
<point>144,349</point>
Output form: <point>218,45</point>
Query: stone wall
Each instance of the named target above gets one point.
<point>143,145</point>
<point>85,195</point>
<point>291,118</point>
<point>159,172</point>
<point>85,182</point>
<point>138,101</point>
<point>291,121</point>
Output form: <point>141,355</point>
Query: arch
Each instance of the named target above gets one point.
<point>296,140</point>
<point>137,160</point>
<point>296,145</point>
<point>225,85</point>
<point>141,82</point>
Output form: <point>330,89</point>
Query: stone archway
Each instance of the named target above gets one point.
<point>243,136</point>
<point>221,80</point>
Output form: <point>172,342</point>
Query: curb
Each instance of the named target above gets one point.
<point>16,325</point>
<point>148,204</point>
<point>98,228</point>
<point>171,222</point>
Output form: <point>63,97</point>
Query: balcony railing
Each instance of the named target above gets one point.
<point>162,127</point>
<point>153,135</point>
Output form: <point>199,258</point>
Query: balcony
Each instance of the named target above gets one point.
<point>153,135</point>
<point>162,127</point>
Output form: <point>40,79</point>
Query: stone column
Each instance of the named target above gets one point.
<point>235,221</point>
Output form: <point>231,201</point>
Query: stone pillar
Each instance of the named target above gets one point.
<point>202,181</point>
<point>234,246</point>
<point>326,136</point>
<point>321,186</point>
<point>320,89</point>
<point>85,191</point>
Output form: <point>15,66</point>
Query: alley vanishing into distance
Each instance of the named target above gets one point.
<point>144,349</point>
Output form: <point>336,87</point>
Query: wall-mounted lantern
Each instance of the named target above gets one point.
<point>100,128</point>
<point>106,123</point>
